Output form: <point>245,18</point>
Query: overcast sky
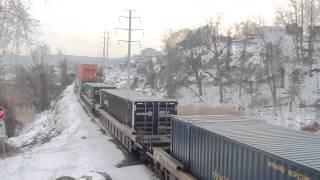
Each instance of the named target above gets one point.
<point>77,25</point>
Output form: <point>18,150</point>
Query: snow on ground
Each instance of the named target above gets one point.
<point>65,141</point>
<point>296,120</point>
<point>300,117</point>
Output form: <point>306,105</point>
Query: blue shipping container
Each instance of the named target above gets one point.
<point>234,148</point>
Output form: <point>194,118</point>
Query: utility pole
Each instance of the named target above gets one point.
<point>106,45</point>
<point>108,38</point>
<point>129,41</point>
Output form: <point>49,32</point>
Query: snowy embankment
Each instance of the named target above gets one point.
<point>299,118</point>
<point>65,141</point>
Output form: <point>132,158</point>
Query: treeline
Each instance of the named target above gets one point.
<point>34,85</point>
<point>16,27</point>
<point>249,57</point>
<point>41,81</point>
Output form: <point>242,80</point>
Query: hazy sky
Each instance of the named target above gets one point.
<point>77,25</point>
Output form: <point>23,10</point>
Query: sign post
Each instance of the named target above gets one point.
<point>3,134</point>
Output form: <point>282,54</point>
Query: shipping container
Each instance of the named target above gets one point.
<point>143,113</point>
<point>87,72</point>
<point>234,148</point>
<point>79,86</point>
<point>92,90</point>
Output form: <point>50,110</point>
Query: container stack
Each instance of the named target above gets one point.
<point>85,73</point>
<point>92,90</point>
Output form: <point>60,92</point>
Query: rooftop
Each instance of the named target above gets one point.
<point>134,95</point>
<point>103,85</point>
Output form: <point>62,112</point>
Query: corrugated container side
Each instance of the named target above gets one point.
<point>213,156</point>
<point>118,107</point>
<point>87,72</point>
<point>180,142</point>
<point>216,157</point>
<point>93,92</point>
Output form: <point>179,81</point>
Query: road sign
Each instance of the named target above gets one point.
<point>2,113</point>
<point>3,133</point>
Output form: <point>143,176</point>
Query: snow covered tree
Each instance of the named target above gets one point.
<point>302,18</point>
<point>271,55</point>
<point>16,25</point>
<point>192,53</point>
<point>244,32</point>
<point>172,73</point>
<point>151,65</point>
<point>64,76</point>
<point>39,78</point>
<point>63,66</point>
<point>16,29</point>
<point>220,47</point>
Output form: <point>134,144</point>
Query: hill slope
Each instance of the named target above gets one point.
<point>65,141</point>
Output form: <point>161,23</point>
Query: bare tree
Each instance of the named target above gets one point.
<point>151,74</point>
<point>100,74</point>
<point>301,18</point>
<point>150,65</point>
<point>39,78</point>
<point>244,32</point>
<point>16,29</point>
<point>16,25</point>
<point>173,62</point>
<point>312,19</point>
<point>192,53</point>
<point>220,46</point>
<point>272,55</point>
<point>63,66</point>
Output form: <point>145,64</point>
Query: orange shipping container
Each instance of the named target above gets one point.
<point>87,72</point>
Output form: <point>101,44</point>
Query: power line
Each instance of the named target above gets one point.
<point>129,41</point>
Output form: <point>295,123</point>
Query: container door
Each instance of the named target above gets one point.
<point>155,118</point>
<point>150,118</point>
<point>165,109</point>
<point>144,117</point>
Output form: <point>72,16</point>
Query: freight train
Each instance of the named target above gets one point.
<point>198,147</point>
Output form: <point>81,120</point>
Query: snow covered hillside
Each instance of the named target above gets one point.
<point>259,108</point>
<point>65,141</point>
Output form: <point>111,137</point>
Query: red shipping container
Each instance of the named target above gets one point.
<point>87,72</point>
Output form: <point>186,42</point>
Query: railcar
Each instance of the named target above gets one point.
<point>91,95</point>
<point>200,147</point>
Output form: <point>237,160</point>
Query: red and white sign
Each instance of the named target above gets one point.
<point>2,113</point>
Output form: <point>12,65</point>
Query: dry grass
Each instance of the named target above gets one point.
<point>190,109</point>
<point>25,115</point>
